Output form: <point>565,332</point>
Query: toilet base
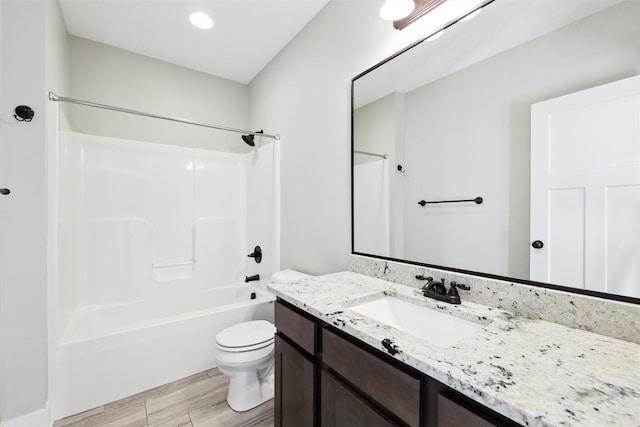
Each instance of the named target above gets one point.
<point>245,391</point>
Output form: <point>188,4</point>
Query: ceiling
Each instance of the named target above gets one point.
<point>246,34</point>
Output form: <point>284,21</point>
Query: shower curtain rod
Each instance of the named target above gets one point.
<point>54,97</point>
<point>368,153</point>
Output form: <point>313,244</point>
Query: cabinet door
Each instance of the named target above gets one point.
<point>294,397</point>
<point>340,407</point>
<point>452,414</point>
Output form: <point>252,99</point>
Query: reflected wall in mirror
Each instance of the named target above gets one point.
<point>533,106</point>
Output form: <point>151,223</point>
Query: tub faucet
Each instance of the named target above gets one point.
<point>253,278</point>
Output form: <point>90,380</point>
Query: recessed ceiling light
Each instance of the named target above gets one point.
<point>201,20</point>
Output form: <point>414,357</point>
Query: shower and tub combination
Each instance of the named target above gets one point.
<point>148,257</point>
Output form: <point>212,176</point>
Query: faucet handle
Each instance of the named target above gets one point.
<point>453,290</point>
<point>256,254</point>
<point>461,286</point>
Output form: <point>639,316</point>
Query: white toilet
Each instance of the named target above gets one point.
<point>245,354</point>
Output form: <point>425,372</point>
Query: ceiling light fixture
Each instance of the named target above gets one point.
<point>392,10</point>
<point>436,14</point>
<point>201,20</point>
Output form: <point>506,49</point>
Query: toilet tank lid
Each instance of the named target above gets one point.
<point>286,276</point>
<point>246,334</point>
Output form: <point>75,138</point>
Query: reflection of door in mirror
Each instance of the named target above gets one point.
<point>585,188</point>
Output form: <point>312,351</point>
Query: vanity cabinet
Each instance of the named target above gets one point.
<point>325,377</point>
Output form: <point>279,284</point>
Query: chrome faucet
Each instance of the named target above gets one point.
<point>438,290</point>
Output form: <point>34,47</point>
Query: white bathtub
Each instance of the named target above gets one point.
<point>110,352</point>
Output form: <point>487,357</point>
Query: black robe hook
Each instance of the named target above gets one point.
<point>24,113</point>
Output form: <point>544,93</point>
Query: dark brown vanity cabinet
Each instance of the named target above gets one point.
<point>326,378</point>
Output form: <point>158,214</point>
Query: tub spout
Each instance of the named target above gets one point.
<point>253,278</point>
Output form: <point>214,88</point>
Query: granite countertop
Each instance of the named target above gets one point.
<point>534,372</point>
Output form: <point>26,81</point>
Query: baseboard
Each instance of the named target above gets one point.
<point>39,418</point>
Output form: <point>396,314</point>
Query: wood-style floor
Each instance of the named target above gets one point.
<point>197,401</point>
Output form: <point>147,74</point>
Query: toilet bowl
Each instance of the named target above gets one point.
<point>245,354</point>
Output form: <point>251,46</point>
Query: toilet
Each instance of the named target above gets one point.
<point>244,353</point>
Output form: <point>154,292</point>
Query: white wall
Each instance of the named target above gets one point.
<point>108,75</point>
<point>304,94</point>
<point>29,30</point>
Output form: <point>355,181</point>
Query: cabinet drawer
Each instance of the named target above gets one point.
<point>296,327</point>
<point>392,388</point>
<point>452,414</point>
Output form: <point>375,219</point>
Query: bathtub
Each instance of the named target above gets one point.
<point>110,352</point>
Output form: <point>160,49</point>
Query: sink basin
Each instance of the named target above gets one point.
<point>428,324</point>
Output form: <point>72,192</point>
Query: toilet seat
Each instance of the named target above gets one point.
<point>247,336</point>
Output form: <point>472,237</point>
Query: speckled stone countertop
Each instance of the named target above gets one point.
<point>534,372</point>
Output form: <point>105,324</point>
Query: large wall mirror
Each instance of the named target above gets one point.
<point>532,106</point>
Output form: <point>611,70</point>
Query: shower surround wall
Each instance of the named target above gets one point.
<point>144,218</point>
<point>154,230</point>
